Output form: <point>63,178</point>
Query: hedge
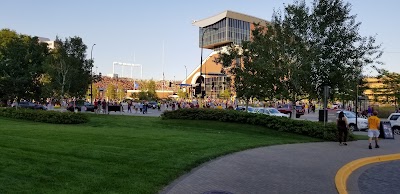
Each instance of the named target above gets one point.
<point>307,128</point>
<point>44,116</point>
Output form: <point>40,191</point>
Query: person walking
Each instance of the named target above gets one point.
<point>369,111</point>
<point>145,108</point>
<point>136,107</point>
<point>141,106</point>
<point>373,125</point>
<point>104,106</point>
<point>129,106</point>
<point>342,126</point>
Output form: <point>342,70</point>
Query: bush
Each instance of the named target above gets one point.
<point>307,128</point>
<point>44,116</point>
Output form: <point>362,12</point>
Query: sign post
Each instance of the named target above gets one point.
<point>385,130</point>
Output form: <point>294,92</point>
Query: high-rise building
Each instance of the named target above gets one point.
<point>215,33</point>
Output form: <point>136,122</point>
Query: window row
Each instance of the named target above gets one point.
<point>238,24</point>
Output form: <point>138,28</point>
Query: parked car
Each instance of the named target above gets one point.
<point>394,119</point>
<point>287,109</point>
<point>152,104</point>
<point>30,105</point>
<point>351,119</point>
<point>243,108</point>
<point>256,110</point>
<point>274,112</point>
<point>78,106</point>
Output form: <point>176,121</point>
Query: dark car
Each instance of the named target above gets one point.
<point>152,104</point>
<point>287,109</point>
<point>78,106</point>
<point>30,105</point>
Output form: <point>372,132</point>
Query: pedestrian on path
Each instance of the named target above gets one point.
<point>342,126</point>
<point>129,106</point>
<point>136,107</point>
<point>145,106</point>
<point>373,124</point>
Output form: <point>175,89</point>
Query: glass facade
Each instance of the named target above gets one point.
<point>238,31</point>
<point>220,84</point>
<point>229,30</point>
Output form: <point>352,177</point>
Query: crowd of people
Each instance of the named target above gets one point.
<point>129,84</point>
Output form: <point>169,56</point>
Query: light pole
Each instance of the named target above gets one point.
<point>186,80</point>
<point>201,59</point>
<point>186,74</point>
<point>91,75</point>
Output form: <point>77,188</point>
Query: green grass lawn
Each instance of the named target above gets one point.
<point>117,154</point>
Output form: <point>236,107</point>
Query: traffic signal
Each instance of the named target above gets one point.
<point>197,90</point>
<point>203,94</point>
<point>170,84</point>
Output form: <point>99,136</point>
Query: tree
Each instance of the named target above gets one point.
<point>21,65</point>
<point>251,66</point>
<point>143,95</point>
<point>181,94</point>
<point>338,53</point>
<point>225,94</point>
<point>120,92</point>
<point>68,68</point>
<point>110,92</point>
<point>150,88</point>
<point>392,83</point>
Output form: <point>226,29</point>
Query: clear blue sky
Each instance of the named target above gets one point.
<point>123,29</point>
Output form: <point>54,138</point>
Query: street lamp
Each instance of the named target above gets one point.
<point>91,75</point>
<point>186,80</point>
<point>201,59</point>
<point>186,74</point>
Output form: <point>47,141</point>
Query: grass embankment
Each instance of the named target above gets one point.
<point>117,154</point>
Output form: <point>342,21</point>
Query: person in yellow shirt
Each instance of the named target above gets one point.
<point>373,125</point>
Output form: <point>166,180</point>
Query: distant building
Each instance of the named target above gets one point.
<point>231,28</point>
<point>377,91</point>
<point>50,43</point>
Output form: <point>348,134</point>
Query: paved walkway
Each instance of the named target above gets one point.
<point>295,168</point>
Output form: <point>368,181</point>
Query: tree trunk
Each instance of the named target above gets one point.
<point>247,104</point>
<point>293,114</point>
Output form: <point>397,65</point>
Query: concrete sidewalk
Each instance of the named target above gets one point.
<point>295,168</point>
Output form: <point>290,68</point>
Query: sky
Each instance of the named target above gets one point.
<point>159,35</point>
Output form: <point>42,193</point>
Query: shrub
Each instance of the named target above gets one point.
<point>385,111</point>
<point>44,116</point>
<point>307,128</point>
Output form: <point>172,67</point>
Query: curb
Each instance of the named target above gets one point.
<point>343,174</point>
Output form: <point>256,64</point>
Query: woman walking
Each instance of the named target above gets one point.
<point>342,126</point>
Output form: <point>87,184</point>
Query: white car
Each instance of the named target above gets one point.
<point>251,109</point>
<point>351,119</point>
<point>274,112</point>
<point>394,119</point>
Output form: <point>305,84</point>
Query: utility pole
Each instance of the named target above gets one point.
<point>91,75</point>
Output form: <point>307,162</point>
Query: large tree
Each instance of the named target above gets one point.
<point>392,83</point>
<point>21,65</point>
<point>303,50</point>
<point>251,66</point>
<point>338,52</point>
<point>69,69</point>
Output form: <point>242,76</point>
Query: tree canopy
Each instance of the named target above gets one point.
<point>300,51</point>
<point>68,68</point>
<point>22,59</point>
